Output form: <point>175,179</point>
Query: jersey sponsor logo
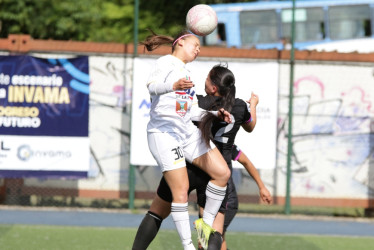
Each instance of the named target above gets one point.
<point>181,108</point>
<point>186,94</point>
<point>190,92</point>
<point>183,95</point>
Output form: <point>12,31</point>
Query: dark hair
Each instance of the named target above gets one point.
<point>154,41</point>
<point>224,80</point>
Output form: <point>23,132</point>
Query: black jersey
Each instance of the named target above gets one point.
<point>224,134</point>
<point>235,153</point>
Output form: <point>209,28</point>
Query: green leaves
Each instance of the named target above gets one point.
<point>93,20</point>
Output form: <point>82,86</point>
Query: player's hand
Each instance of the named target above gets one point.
<point>183,84</point>
<point>254,100</point>
<point>224,115</point>
<point>265,195</point>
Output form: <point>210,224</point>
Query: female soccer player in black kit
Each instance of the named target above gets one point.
<point>220,87</point>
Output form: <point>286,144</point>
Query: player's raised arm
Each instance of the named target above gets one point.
<point>253,101</point>
<point>251,169</point>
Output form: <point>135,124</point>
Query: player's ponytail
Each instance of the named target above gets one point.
<point>224,80</point>
<point>154,41</point>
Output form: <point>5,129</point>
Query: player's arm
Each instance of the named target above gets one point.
<point>160,81</point>
<point>250,125</point>
<point>251,169</point>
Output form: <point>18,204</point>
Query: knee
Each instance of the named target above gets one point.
<point>222,176</point>
<point>180,197</point>
<point>226,173</point>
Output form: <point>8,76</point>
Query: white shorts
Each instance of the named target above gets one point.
<point>171,152</point>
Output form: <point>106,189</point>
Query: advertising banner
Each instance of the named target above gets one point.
<point>44,107</point>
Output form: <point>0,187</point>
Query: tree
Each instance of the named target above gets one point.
<point>93,20</point>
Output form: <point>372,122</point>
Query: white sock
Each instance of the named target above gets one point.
<point>214,197</point>
<point>189,247</point>
<point>179,212</point>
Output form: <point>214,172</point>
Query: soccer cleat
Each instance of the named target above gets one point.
<point>203,232</point>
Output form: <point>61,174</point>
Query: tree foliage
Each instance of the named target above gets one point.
<point>93,20</point>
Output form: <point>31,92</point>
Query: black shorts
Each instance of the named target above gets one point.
<point>198,180</point>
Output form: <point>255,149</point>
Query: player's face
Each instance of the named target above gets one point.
<point>192,47</point>
<point>210,89</point>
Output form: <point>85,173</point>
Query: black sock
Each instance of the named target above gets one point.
<point>215,241</point>
<point>147,231</point>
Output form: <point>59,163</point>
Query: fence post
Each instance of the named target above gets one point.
<point>132,167</point>
<point>290,113</point>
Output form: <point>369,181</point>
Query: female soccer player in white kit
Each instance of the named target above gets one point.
<point>173,139</point>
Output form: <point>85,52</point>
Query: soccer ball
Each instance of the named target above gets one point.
<point>201,20</point>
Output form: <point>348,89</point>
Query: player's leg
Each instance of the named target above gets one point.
<point>177,180</point>
<point>159,210</point>
<point>224,217</point>
<point>151,223</point>
<point>166,150</point>
<point>161,207</point>
<point>210,160</point>
<point>215,239</point>
<point>231,209</point>
<point>213,164</point>
<point>218,222</point>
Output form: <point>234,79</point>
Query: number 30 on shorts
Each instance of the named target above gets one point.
<point>178,153</point>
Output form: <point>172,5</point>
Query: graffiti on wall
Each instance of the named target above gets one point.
<point>333,140</point>
<point>332,135</point>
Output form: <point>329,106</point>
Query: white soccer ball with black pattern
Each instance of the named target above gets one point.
<point>201,20</point>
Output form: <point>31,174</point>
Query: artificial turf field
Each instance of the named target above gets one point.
<point>29,237</point>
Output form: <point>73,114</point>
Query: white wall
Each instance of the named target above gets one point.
<point>333,126</point>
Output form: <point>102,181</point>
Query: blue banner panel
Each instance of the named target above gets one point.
<point>44,108</point>
<point>43,174</point>
<point>44,97</point>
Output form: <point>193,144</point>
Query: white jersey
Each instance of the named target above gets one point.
<point>171,110</point>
